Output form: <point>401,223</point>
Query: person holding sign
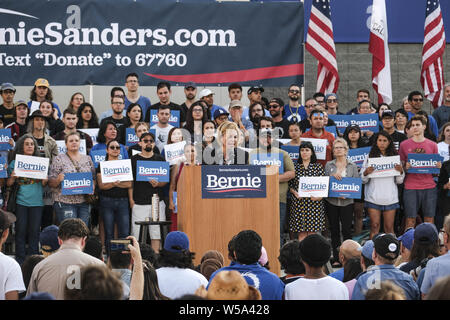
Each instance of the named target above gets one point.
<point>139,129</point>
<point>114,200</point>
<point>133,117</point>
<point>381,193</point>
<point>340,210</point>
<point>316,118</point>
<point>107,133</point>
<point>70,206</point>
<point>307,215</point>
<point>141,192</point>
<point>420,189</point>
<point>29,202</point>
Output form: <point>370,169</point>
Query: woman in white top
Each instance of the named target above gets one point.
<point>444,141</point>
<point>381,194</point>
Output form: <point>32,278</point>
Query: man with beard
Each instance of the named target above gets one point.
<point>276,106</point>
<point>442,114</point>
<point>163,127</point>
<point>294,112</point>
<point>268,149</point>
<point>117,106</point>
<point>141,192</point>
<point>190,91</point>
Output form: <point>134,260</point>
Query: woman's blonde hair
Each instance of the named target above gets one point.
<point>224,127</point>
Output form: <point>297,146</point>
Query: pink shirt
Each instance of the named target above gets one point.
<point>415,180</point>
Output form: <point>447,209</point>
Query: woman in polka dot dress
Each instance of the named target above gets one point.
<point>307,215</point>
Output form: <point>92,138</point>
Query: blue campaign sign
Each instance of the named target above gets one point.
<point>367,122</point>
<point>174,119</point>
<point>346,188</point>
<point>358,155</point>
<point>98,156</point>
<point>292,151</point>
<point>3,168</point>
<point>264,159</point>
<point>153,170</point>
<point>424,163</point>
<point>5,136</point>
<point>97,42</point>
<point>233,182</point>
<point>131,137</point>
<point>77,183</point>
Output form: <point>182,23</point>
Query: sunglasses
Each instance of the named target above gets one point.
<point>148,141</point>
<point>273,106</point>
<point>417,100</point>
<point>114,147</point>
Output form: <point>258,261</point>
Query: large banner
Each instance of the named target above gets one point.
<point>100,42</point>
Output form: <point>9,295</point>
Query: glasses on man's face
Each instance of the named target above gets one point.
<point>118,96</point>
<point>114,147</point>
<point>148,140</point>
<point>417,99</point>
<point>117,103</point>
<point>294,91</point>
<point>273,106</point>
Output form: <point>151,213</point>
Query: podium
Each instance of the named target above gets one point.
<point>211,223</point>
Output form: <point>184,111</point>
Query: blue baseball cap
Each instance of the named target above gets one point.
<point>426,233</point>
<point>176,241</point>
<point>367,249</point>
<point>407,238</point>
<point>331,95</point>
<point>219,112</point>
<point>49,238</point>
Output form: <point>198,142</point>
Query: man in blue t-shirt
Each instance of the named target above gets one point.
<point>245,249</point>
<point>132,84</point>
<point>415,99</point>
<point>294,111</point>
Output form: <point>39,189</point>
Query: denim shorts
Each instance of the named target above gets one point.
<point>426,199</point>
<point>388,207</point>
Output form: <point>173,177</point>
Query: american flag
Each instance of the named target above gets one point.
<point>432,75</point>
<point>320,43</point>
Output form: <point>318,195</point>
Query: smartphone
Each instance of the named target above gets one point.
<point>120,244</point>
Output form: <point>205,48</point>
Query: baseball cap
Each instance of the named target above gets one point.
<point>7,86</point>
<point>49,238</point>
<point>388,113</point>
<point>205,93</point>
<point>386,245</point>
<point>367,249</point>
<point>18,103</point>
<point>407,238</point>
<point>6,219</point>
<point>219,112</point>
<point>41,82</point>
<point>426,233</point>
<point>176,241</point>
<point>278,101</point>
<point>190,85</point>
<point>235,103</point>
<point>255,88</point>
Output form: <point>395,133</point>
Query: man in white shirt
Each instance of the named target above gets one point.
<point>315,251</point>
<point>11,281</point>
<point>163,127</point>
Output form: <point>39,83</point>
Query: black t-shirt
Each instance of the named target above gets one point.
<point>9,115</point>
<point>41,146</point>
<point>115,192</point>
<point>397,137</point>
<point>284,126</point>
<point>172,106</point>
<point>118,122</point>
<point>143,190</point>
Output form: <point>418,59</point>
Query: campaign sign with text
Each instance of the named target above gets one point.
<point>3,168</point>
<point>233,182</point>
<point>367,122</point>
<point>263,159</point>
<point>346,188</point>
<point>174,119</point>
<point>5,136</point>
<point>77,183</point>
<point>384,166</point>
<point>292,151</point>
<point>313,186</point>
<point>63,149</point>
<point>116,170</point>
<point>153,170</point>
<point>31,167</point>
<point>98,156</point>
<point>330,129</point>
<point>174,152</point>
<point>131,137</point>
<point>93,133</point>
<point>358,155</point>
<point>320,147</point>
<point>424,162</point>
